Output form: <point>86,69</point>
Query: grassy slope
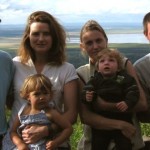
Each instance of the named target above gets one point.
<point>131,50</point>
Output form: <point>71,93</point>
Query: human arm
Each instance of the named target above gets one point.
<point>10,97</point>
<point>142,69</point>
<point>16,139</point>
<point>99,122</point>
<point>33,133</point>
<point>130,91</point>
<point>70,101</point>
<point>141,104</point>
<point>64,134</point>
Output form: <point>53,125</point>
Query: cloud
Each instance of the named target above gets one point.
<point>101,6</point>
<point>16,12</point>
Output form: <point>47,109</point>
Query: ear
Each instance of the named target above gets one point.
<point>97,65</point>
<point>82,46</point>
<point>28,97</point>
<point>146,35</point>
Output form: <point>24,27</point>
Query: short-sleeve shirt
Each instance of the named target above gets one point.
<point>59,76</point>
<point>6,76</point>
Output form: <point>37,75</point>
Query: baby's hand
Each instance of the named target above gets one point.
<point>89,96</point>
<point>50,145</point>
<point>122,106</point>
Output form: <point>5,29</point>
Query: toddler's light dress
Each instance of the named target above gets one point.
<point>39,118</point>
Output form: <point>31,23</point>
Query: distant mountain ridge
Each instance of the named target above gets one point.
<point>11,30</point>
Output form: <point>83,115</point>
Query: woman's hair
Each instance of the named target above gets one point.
<point>57,52</point>
<point>90,26</point>
<point>114,53</point>
<point>146,20</point>
<point>37,82</point>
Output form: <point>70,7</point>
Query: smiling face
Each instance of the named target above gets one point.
<point>92,42</point>
<point>40,37</point>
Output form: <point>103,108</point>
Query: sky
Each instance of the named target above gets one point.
<point>74,11</point>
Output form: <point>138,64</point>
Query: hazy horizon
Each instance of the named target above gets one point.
<point>116,32</point>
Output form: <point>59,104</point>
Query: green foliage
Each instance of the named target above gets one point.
<point>77,133</point>
<point>145,129</point>
<point>8,112</point>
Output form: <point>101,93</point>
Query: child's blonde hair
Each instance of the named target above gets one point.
<point>111,53</point>
<point>37,82</point>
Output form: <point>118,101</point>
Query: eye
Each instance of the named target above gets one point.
<point>101,60</point>
<point>35,33</point>
<point>112,60</point>
<point>45,92</point>
<point>98,41</point>
<point>36,93</point>
<point>47,33</point>
<point>89,43</point>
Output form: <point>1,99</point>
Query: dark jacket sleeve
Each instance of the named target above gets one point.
<point>131,91</point>
<point>88,87</point>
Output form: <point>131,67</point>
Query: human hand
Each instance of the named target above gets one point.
<point>33,133</point>
<point>122,106</point>
<point>127,129</point>
<point>89,96</point>
<point>50,145</point>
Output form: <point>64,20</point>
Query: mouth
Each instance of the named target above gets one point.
<point>41,45</point>
<point>42,104</point>
<point>106,68</point>
<point>95,52</point>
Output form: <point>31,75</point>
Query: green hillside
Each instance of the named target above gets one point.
<point>133,51</point>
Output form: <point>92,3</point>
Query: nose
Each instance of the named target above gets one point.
<point>41,97</point>
<point>41,37</point>
<point>95,45</point>
<point>106,62</point>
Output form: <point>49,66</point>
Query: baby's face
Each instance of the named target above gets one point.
<point>39,99</point>
<point>108,66</point>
